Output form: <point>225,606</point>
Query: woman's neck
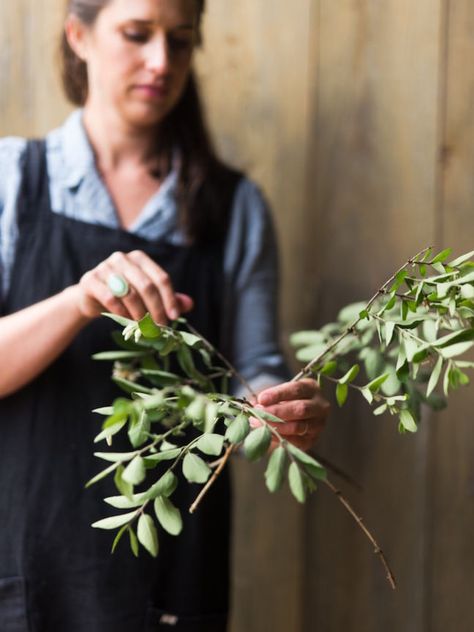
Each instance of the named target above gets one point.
<point>115,143</point>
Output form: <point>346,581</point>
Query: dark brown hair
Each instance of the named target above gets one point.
<point>183,129</point>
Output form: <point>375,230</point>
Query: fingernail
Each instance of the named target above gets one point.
<point>174,314</point>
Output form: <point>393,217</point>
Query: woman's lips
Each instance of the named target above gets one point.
<point>153,91</point>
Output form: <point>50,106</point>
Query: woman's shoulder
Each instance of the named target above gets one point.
<point>251,208</point>
<point>12,149</point>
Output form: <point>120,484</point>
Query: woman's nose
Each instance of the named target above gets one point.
<point>157,55</point>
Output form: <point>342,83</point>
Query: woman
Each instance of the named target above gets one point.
<point>124,209</point>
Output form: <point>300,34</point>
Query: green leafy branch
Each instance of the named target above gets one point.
<point>411,332</point>
<point>198,421</point>
<point>178,416</point>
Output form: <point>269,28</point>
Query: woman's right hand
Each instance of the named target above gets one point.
<point>150,290</point>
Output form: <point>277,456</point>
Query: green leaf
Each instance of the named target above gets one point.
<point>164,378</point>
<point>211,444</point>
<point>119,355</point>
<point>196,409</point>
<point>118,537</point>
<point>102,474</point>
<point>211,416</point>
<point>389,329</point>
<point>115,457</point>
<point>411,347</point>
<point>131,387</point>
<point>374,385</point>
<point>351,312</point>
<point>441,256</point>
<point>133,541</point>
<point>350,375</point>
<point>430,330</point>
<point>462,259</point>
<point>342,391</point>
<point>139,429</point>
<point>296,482</point>
<point>113,522</point>
<point>164,486</point>
<point>434,377</point>
<point>312,467</point>
<point>124,487</point>
<point>195,469</point>
<point>105,410</point>
<point>190,339</point>
<point>307,338</point>
<point>380,410</point>
<point>263,414</point>
<point>122,502</point>
<point>399,279</point>
<point>329,368</point>
<point>168,515</point>
<point>147,535</point>
<point>135,471</point>
<point>257,443</point>
<point>456,349</point>
<point>367,394</point>
<point>275,471</point>
<point>238,429</point>
<point>166,455</point>
<point>306,354</point>
<point>113,429</point>
<point>407,422</point>
<point>149,328</point>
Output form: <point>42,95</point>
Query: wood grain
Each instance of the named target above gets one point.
<point>373,186</point>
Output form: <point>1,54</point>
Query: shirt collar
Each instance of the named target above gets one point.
<point>77,151</point>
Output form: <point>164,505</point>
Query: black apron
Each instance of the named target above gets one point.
<point>57,573</point>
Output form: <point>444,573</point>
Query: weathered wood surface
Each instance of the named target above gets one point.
<point>357,118</point>
<point>373,186</point>
<point>451,495</point>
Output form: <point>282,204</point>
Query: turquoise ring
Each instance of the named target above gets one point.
<point>118,285</point>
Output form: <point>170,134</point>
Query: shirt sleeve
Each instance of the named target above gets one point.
<point>11,154</point>
<point>251,293</point>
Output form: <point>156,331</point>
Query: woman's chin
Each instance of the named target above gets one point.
<point>143,114</point>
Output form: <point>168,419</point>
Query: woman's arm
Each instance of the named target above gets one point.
<point>54,322</point>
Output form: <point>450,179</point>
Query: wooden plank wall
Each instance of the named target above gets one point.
<point>356,117</point>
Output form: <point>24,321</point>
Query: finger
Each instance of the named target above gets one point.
<point>304,409</point>
<point>162,281</point>
<point>300,428</point>
<point>118,264</point>
<point>302,389</point>
<point>96,291</point>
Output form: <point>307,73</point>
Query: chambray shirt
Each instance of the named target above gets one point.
<point>250,259</point>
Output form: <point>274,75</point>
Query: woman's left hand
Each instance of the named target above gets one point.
<point>301,406</point>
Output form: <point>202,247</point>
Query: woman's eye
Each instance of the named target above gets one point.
<point>180,44</point>
<point>135,36</point>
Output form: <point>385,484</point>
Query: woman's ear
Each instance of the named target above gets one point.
<point>76,34</point>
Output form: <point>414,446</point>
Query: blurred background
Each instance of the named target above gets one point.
<point>357,119</point>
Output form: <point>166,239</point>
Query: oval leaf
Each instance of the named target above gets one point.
<point>114,521</point>
<point>238,429</point>
<point>211,444</point>
<point>195,469</point>
<point>275,471</point>
<point>147,535</point>
<point>257,443</point>
<point>296,482</point>
<point>168,515</point>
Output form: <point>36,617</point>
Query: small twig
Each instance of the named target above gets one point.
<point>307,369</point>
<point>377,550</point>
<point>210,482</point>
<point>212,349</point>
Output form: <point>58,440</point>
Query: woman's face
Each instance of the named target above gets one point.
<point>138,55</point>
